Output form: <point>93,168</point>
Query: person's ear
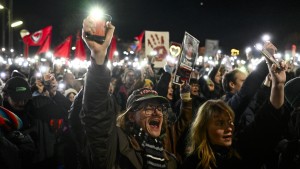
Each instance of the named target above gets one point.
<point>131,116</point>
<point>231,85</point>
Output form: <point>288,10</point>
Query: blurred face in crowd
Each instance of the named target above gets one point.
<point>69,78</point>
<point>130,77</point>
<point>149,116</point>
<point>220,129</point>
<point>195,89</point>
<point>218,77</point>
<point>17,105</point>
<point>170,92</point>
<point>71,96</point>
<point>239,80</point>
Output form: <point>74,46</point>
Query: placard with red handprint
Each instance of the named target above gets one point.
<point>157,45</point>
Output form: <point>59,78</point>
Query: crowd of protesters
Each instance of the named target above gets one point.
<point>129,118</point>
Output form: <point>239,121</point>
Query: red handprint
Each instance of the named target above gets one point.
<point>157,44</point>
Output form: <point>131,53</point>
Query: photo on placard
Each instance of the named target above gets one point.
<point>187,59</point>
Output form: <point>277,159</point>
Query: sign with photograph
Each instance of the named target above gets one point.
<point>186,61</point>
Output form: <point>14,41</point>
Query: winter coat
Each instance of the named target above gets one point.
<point>109,145</point>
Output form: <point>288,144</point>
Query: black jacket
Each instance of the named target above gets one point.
<point>109,145</point>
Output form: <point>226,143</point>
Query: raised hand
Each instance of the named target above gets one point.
<point>98,51</point>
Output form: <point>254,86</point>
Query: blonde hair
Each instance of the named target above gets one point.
<point>199,141</point>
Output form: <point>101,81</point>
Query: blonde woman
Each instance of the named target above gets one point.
<point>212,145</point>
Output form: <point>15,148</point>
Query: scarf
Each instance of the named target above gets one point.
<point>9,121</point>
<point>153,151</point>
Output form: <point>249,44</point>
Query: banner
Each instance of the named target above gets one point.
<point>80,50</point>
<point>63,50</point>
<point>156,47</point>
<point>187,59</point>
<point>211,47</point>
<point>45,47</point>
<point>140,41</point>
<point>38,38</point>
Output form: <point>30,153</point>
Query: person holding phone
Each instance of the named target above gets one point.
<point>133,140</point>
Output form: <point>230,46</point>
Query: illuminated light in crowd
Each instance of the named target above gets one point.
<point>36,57</point>
<point>3,75</point>
<point>43,69</point>
<point>205,77</point>
<point>125,53</point>
<point>131,52</point>
<point>136,64</point>
<point>243,62</point>
<point>219,51</point>
<point>170,59</point>
<point>216,62</point>
<point>243,69</point>
<point>129,63</point>
<point>278,55</point>
<point>211,62</point>
<point>43,59</point>
<point>12,50</point>
<point>116,53</point>
<point>287,56</point>
<point>38,74</point>
<point>108,65</point>
<point>115,64</point>
<point>9,61</point>
<point>200,59</point>
<point>49,54</point>
<point>1,59</point>
<point>73,48</point>
<point>97,13</point>
<point>120,63</point>
<point>136,59</point>
<point>207,69</point>
<point>258,46</point>
<point>238,61</point>
<point>248,50</point>
<point>144,62</point>
<point>61,86</point>
<point>205,59</point>
<point>210,58</point>
<point>3,49</point>
<point>126,58</point>
<point>25,64</point>
<point>266,38</point>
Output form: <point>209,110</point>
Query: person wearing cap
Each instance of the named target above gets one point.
<point>132,141</point>
<point>35,113</point>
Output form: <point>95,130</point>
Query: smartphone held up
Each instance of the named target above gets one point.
<point>101,25</point>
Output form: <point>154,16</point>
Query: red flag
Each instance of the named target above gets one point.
<point>37,38</point>
<point>46,46</point>
<point>113,48</point>
<point>140,41</point>
<point>63,50</point>
<point>80,50</point>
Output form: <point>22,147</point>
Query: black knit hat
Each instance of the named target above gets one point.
<point>17,88</point>
<point>142,94</point>
<point>292,91</point>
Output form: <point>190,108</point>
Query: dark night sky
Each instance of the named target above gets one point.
<point>236,24</point>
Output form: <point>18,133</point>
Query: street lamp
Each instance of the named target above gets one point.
<point>3,25</point>
<point>16,23</point>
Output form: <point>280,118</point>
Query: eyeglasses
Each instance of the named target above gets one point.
<point>149,109</point>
